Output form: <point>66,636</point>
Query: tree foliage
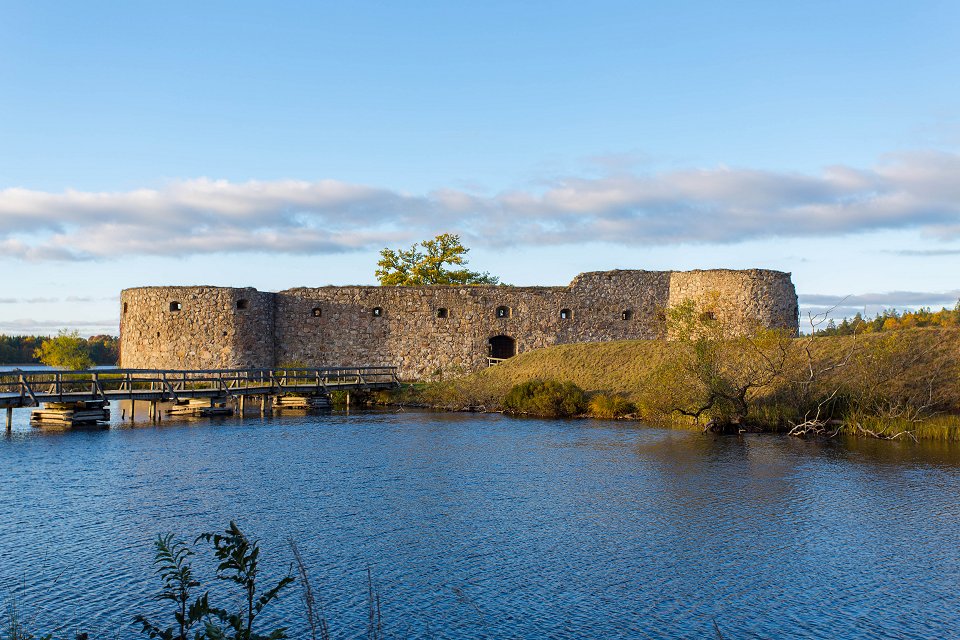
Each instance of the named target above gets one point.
<point>715,371</point>
<point>103,349</point>
<point>891,320</point>
<point>429,262</point>
<point>67,351</point>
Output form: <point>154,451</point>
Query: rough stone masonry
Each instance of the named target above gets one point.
<point>430,330</point>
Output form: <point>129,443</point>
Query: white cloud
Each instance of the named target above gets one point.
<point>44,300</point>
<point>30,326</point>
<point>719,205</point>
<point>888,299</point>
<point>927,253</point>
<point>827,306</point>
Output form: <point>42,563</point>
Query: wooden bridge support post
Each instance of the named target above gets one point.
<point>133,409</point>
<point>153,411</point>
<point>348,399</point>
<point>9,418</point>
<point>240,405</point>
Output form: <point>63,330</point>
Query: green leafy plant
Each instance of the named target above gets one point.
<point>172,560</point>
<point>239,563</point>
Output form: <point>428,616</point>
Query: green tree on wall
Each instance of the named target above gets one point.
<point>67,350</point>
<point>429,262</point>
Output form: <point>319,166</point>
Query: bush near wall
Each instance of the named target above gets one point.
<point>546,399</point>
<point>610,405</point>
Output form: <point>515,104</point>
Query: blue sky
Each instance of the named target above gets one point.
<point>283,144</point>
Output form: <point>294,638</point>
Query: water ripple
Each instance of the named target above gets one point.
<point>491,527</point>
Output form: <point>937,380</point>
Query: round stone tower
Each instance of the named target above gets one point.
<point>741,299</point>
<point>196,328</point>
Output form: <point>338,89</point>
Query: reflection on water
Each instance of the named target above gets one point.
<point>487,526</point>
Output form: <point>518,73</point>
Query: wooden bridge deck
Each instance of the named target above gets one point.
<point>30,388</point>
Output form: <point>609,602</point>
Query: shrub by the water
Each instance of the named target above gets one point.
<point>546,399</point>
<point>610,405</point>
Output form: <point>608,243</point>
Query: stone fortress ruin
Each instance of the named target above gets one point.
<point>428,330</point>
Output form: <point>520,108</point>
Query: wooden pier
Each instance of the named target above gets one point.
<point>66,394</point>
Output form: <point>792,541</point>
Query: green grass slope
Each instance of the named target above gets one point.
<point>883,368</point>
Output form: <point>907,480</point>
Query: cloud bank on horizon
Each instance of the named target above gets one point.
<point>918,190</point>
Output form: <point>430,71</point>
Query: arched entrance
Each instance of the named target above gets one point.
<point>502,347</point>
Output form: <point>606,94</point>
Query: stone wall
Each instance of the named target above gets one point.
<point>408,331</point>
<point>215,327</point>
<point>741,300</point>
<point>425,331</point>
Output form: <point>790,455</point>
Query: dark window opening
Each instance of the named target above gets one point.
<point>503,312</point>
<point>627,314</point>
<point>242,304</point>
<point>566,314</point>
<point>502,347</point>
<point>317,312</point>
<point>377,312</point>
<point>158,334</point>
<point>442,313</point>
<point>175,306</point>
<point>124,307</point>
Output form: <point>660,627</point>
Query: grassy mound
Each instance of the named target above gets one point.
<point>881,384</point>
<point>601,367</point>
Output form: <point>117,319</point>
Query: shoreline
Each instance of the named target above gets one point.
<point>844,430</point>
<point>895,385</point>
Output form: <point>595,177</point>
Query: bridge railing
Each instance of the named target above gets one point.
<point>117,383</point>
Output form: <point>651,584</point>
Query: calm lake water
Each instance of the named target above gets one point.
<point>483,526</point>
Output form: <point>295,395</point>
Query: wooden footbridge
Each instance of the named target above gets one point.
<point>96,388</point>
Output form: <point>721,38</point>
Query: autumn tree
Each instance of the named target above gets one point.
<point>714,369</point>
<point>429,262</point>
<point>67,350</point>
<point>892,320</point>
<point>104,349</point>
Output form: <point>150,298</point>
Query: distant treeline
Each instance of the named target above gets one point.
<point>891,319</point>
<point>20,349</point>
